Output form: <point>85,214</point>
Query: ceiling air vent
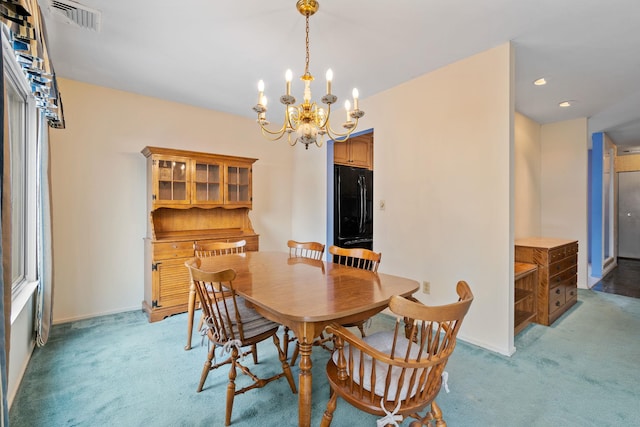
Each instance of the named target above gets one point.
<point>77,14</point>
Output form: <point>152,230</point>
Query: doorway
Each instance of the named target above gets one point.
<point>624,278</point>
<point>629,215</point>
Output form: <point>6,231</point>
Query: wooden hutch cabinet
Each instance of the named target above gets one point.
<point>356,151</point>
<point>191,197</point>
<point>557,261</point>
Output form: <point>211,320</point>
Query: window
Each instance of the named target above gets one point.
<point>16,112</point>
<point>21,121</point>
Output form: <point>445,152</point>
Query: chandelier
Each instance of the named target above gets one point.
<point>307,122</point>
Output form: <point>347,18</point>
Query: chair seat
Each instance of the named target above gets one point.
<point>383,341</point>
<point>253,324</point>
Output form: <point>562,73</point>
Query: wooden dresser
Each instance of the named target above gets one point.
<point>557,261</point>
<point>191,197</point>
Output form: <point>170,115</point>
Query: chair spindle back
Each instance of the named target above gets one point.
<point>361,258</point>
<point>203,250</point>
<point>313,250</point>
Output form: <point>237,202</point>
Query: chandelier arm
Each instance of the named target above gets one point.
<point>288,122</point>
<point>326,119</point>
<point>337,136</point>
<point>289,140</point>
<point>272,135</point>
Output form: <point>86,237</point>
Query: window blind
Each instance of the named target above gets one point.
<point>27,35</point>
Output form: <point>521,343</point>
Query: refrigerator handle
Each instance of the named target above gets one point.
<point>338,197</point>
<point>364,201</point>
<point>361,191</point>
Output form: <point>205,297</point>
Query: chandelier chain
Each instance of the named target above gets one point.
<point>306,64</point>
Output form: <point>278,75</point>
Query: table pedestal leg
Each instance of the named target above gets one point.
<point>304,382</point>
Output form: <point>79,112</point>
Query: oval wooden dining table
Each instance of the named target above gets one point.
<point>307,295</point>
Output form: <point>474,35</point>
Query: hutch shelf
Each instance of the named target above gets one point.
<point>525,286</point>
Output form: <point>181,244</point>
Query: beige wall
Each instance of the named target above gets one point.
<point>309,201</point>
<point>527,169</point>
<point>564,183</point>
<point>442,163</point>
<point>98,189</point>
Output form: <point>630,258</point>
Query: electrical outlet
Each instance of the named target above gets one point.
<point>426,287</point>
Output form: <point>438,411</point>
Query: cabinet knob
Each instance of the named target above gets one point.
<point>557,303</point>
<point>558,291</point>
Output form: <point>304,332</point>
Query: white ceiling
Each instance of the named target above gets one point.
<point>212,53</point>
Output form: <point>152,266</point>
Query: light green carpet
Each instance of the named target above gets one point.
<point>121,370</point>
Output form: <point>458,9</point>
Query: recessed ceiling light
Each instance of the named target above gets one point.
<point>540,82</point>
<point>565,104</point>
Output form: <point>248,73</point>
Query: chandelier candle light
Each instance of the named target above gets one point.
<point>308,121</point>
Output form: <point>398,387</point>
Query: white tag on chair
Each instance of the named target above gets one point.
<point>367,324</point>
<point>208,324</point>
<point>445,381</point>
<point>226,348</point>
<point>391,418</point>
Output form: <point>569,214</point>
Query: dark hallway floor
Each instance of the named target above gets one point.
<point>622,280</point>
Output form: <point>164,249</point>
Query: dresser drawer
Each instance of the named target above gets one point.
<point>557,254</point>
<point>557,298</point>
<point>562,265</point>
<point>571,292</point>
<point>171,250</point>
<point>562,277</point>
<point>571,249</point>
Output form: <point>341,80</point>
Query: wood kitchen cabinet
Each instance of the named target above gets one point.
<point>191,196</point>
<point>557,261</point>
<point>356,151</point>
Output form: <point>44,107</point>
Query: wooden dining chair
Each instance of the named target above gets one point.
<point>231,326</point>
<point>309,250</point>
<point>203,250</point>
<point>313,250</point>
<point>399,373</point>
<point>361,258</point>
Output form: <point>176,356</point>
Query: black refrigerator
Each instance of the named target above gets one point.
<point>353,207</point>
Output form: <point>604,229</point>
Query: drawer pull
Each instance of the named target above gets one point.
<point>557,303</point>
<point>558,291</point>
